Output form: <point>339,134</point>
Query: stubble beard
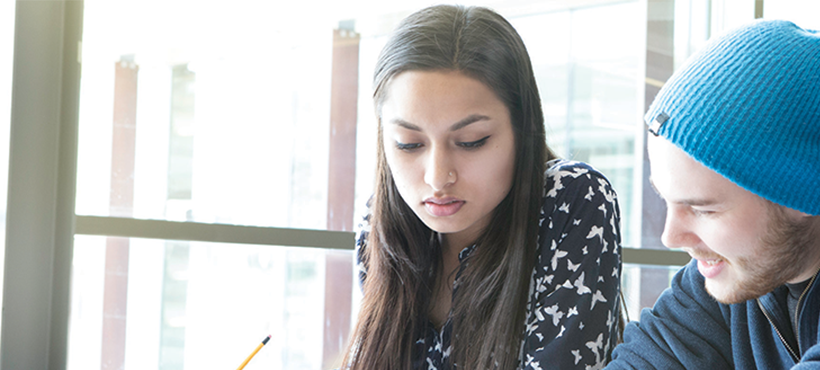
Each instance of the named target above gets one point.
<point>780,257</point>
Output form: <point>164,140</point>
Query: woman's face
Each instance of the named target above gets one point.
<point>451,149</point>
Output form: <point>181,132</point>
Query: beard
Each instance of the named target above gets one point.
<point>783,253</point>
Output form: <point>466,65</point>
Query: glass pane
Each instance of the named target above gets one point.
<point>579,69</point>
<point>227,114</point>
<point>184,120</point>
<point>6,66</point>
<point>804,13</point>
<point>588,82</point>
<point>729,14</point>
<point>155,304</point>
<point>642,284</point>
<point>181,120</point>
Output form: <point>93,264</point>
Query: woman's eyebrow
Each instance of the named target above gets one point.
<point>467,121</point>
<point>455,127</point>
<point>402,123</point>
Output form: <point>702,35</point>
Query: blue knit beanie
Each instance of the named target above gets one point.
<point>748,107</point>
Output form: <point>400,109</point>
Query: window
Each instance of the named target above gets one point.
<point>199,305</point>
<point>239,125</point>
<point>208,206</point>
<point>801,12</point>
<point>184,121</point>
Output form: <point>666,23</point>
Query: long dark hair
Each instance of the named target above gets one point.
<point>403,256</point>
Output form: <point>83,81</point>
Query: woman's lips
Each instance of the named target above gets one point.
<point>442,207</point>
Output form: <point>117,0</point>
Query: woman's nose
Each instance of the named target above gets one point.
<point>439,172</point>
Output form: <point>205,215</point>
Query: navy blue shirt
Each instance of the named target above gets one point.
<point>688,329</point>
<point>573,308</point>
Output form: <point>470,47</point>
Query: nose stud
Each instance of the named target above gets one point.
<point>451,173</point>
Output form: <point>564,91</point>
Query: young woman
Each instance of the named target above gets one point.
<point>481,250</point>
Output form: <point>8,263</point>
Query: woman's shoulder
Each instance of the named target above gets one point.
<point>564,175</point>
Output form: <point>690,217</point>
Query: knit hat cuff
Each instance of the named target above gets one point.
<point>748,107</point>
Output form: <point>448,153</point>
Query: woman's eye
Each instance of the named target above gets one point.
<point>407,147</point>
<point>474,144</point>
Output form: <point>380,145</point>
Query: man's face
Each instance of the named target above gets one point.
<point>745,246</point>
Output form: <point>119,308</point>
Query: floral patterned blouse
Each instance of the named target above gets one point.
<point>573,308</point>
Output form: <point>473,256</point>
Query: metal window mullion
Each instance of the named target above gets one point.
<point>42,173</point>
<point>215,233</point>
<point>237,234</point>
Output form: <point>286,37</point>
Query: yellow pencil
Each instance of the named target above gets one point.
<point>253,353</point>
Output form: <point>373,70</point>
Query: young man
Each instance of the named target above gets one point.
<point>735,153</point>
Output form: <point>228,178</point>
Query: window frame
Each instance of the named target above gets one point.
<point>41,219</point>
